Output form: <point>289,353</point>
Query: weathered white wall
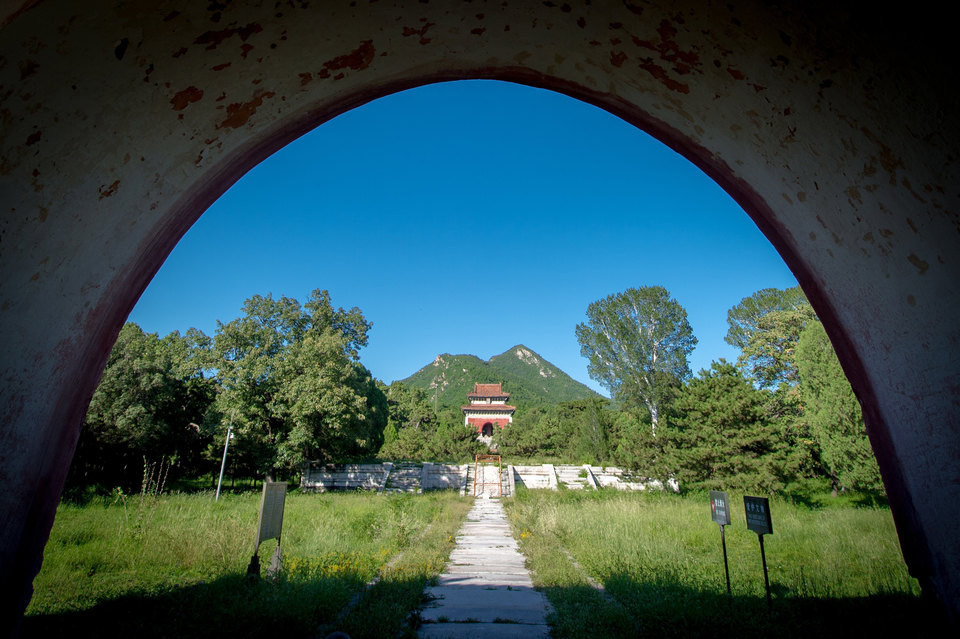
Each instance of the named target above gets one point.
<point>121,122</point>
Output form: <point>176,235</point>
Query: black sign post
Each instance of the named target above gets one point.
<point>720,512</point>
<point>758,520</point>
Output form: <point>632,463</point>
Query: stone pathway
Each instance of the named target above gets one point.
<point>486,590</point>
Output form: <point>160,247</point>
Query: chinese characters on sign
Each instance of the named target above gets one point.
<point>720,512</point>
<point>758,515</point>
<point>719,508</point>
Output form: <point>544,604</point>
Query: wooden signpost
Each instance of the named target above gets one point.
<point>758,520</point>
<point>720,512</point>
<point>269,525</point>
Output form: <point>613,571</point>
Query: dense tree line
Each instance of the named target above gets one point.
<point>784,412</point>
<point>290,383</point>
<point>286,378</point>
<point>148,408</point>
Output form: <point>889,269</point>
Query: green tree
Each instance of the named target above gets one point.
<point>291,385</point>
<point>743,319</point>
<point>410,407</point>
<point>766,327</point>
<point>634,446</point>
<point>331,405</point>
<point>454,442</point>
<point>411,426</point>
<point>722,437</point>
<point>586,433</point>
<point>407,444</point>
<point>833,413</point>
<point>534,433</point>
<point>446,441</point>
<point>637,342</point>
<point>146,408</point>
<point>770,355</point>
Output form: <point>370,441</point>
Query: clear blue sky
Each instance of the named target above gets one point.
<point>468,217</point>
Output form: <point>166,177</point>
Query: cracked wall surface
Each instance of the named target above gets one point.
<point>836,130</point>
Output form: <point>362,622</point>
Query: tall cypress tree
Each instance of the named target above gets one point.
<point>721,435</point>
<point>833,413</point>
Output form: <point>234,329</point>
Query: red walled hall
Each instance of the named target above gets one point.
<point>484,400</point>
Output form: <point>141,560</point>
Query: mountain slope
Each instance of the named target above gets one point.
<point>529,378</point>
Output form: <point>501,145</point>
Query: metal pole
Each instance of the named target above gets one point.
<point>500,475</point>
<point>726,567</point>
<point>766,580</point>
<point>223,464</point>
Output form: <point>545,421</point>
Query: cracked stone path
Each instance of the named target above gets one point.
<point>486,590</point>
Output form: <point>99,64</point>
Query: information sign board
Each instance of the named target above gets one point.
<point>758,515</point>
<point>719,508</point>
<point>720,512</point>
<point>270,523</point>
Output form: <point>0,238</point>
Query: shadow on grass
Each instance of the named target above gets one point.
<point>237,606</point>
<point>666,610</point>
<point>816,495</point>
<point>231,606</point>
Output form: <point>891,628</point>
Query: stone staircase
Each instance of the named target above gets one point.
<point>404,478</point>
<point>488,481</point>
<point>573,477</point>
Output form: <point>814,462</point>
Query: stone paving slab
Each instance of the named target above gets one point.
<point>490,555</point>
<point>482,547</point>
<point>486,590</point>
<point>501,577</point>
<point>520,605</point>
<point>505,580</point>
<point>488,568</point>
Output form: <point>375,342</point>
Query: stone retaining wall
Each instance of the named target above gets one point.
<point>431,476</point>
<point>441,476</point>
<point>327,477</point>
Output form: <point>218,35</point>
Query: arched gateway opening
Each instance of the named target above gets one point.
<point>121,124</point>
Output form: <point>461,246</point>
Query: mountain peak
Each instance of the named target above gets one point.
<point>529,378</point>
<point>525,355</point>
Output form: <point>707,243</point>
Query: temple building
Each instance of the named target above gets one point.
<point>488,407</point>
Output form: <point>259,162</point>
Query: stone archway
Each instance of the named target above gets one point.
<point>834,131</point>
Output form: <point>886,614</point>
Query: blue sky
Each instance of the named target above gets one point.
<point>468,217</point>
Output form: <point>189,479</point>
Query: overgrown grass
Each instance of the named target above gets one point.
<point>175,565</point>
<point>833,571</point>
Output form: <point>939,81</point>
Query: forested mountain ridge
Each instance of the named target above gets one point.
<point>529,378</point>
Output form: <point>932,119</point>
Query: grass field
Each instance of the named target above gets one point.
<point>175,566</point>
<point>834,572</point>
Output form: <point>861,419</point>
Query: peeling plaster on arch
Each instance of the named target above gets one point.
<point>837,144</point>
